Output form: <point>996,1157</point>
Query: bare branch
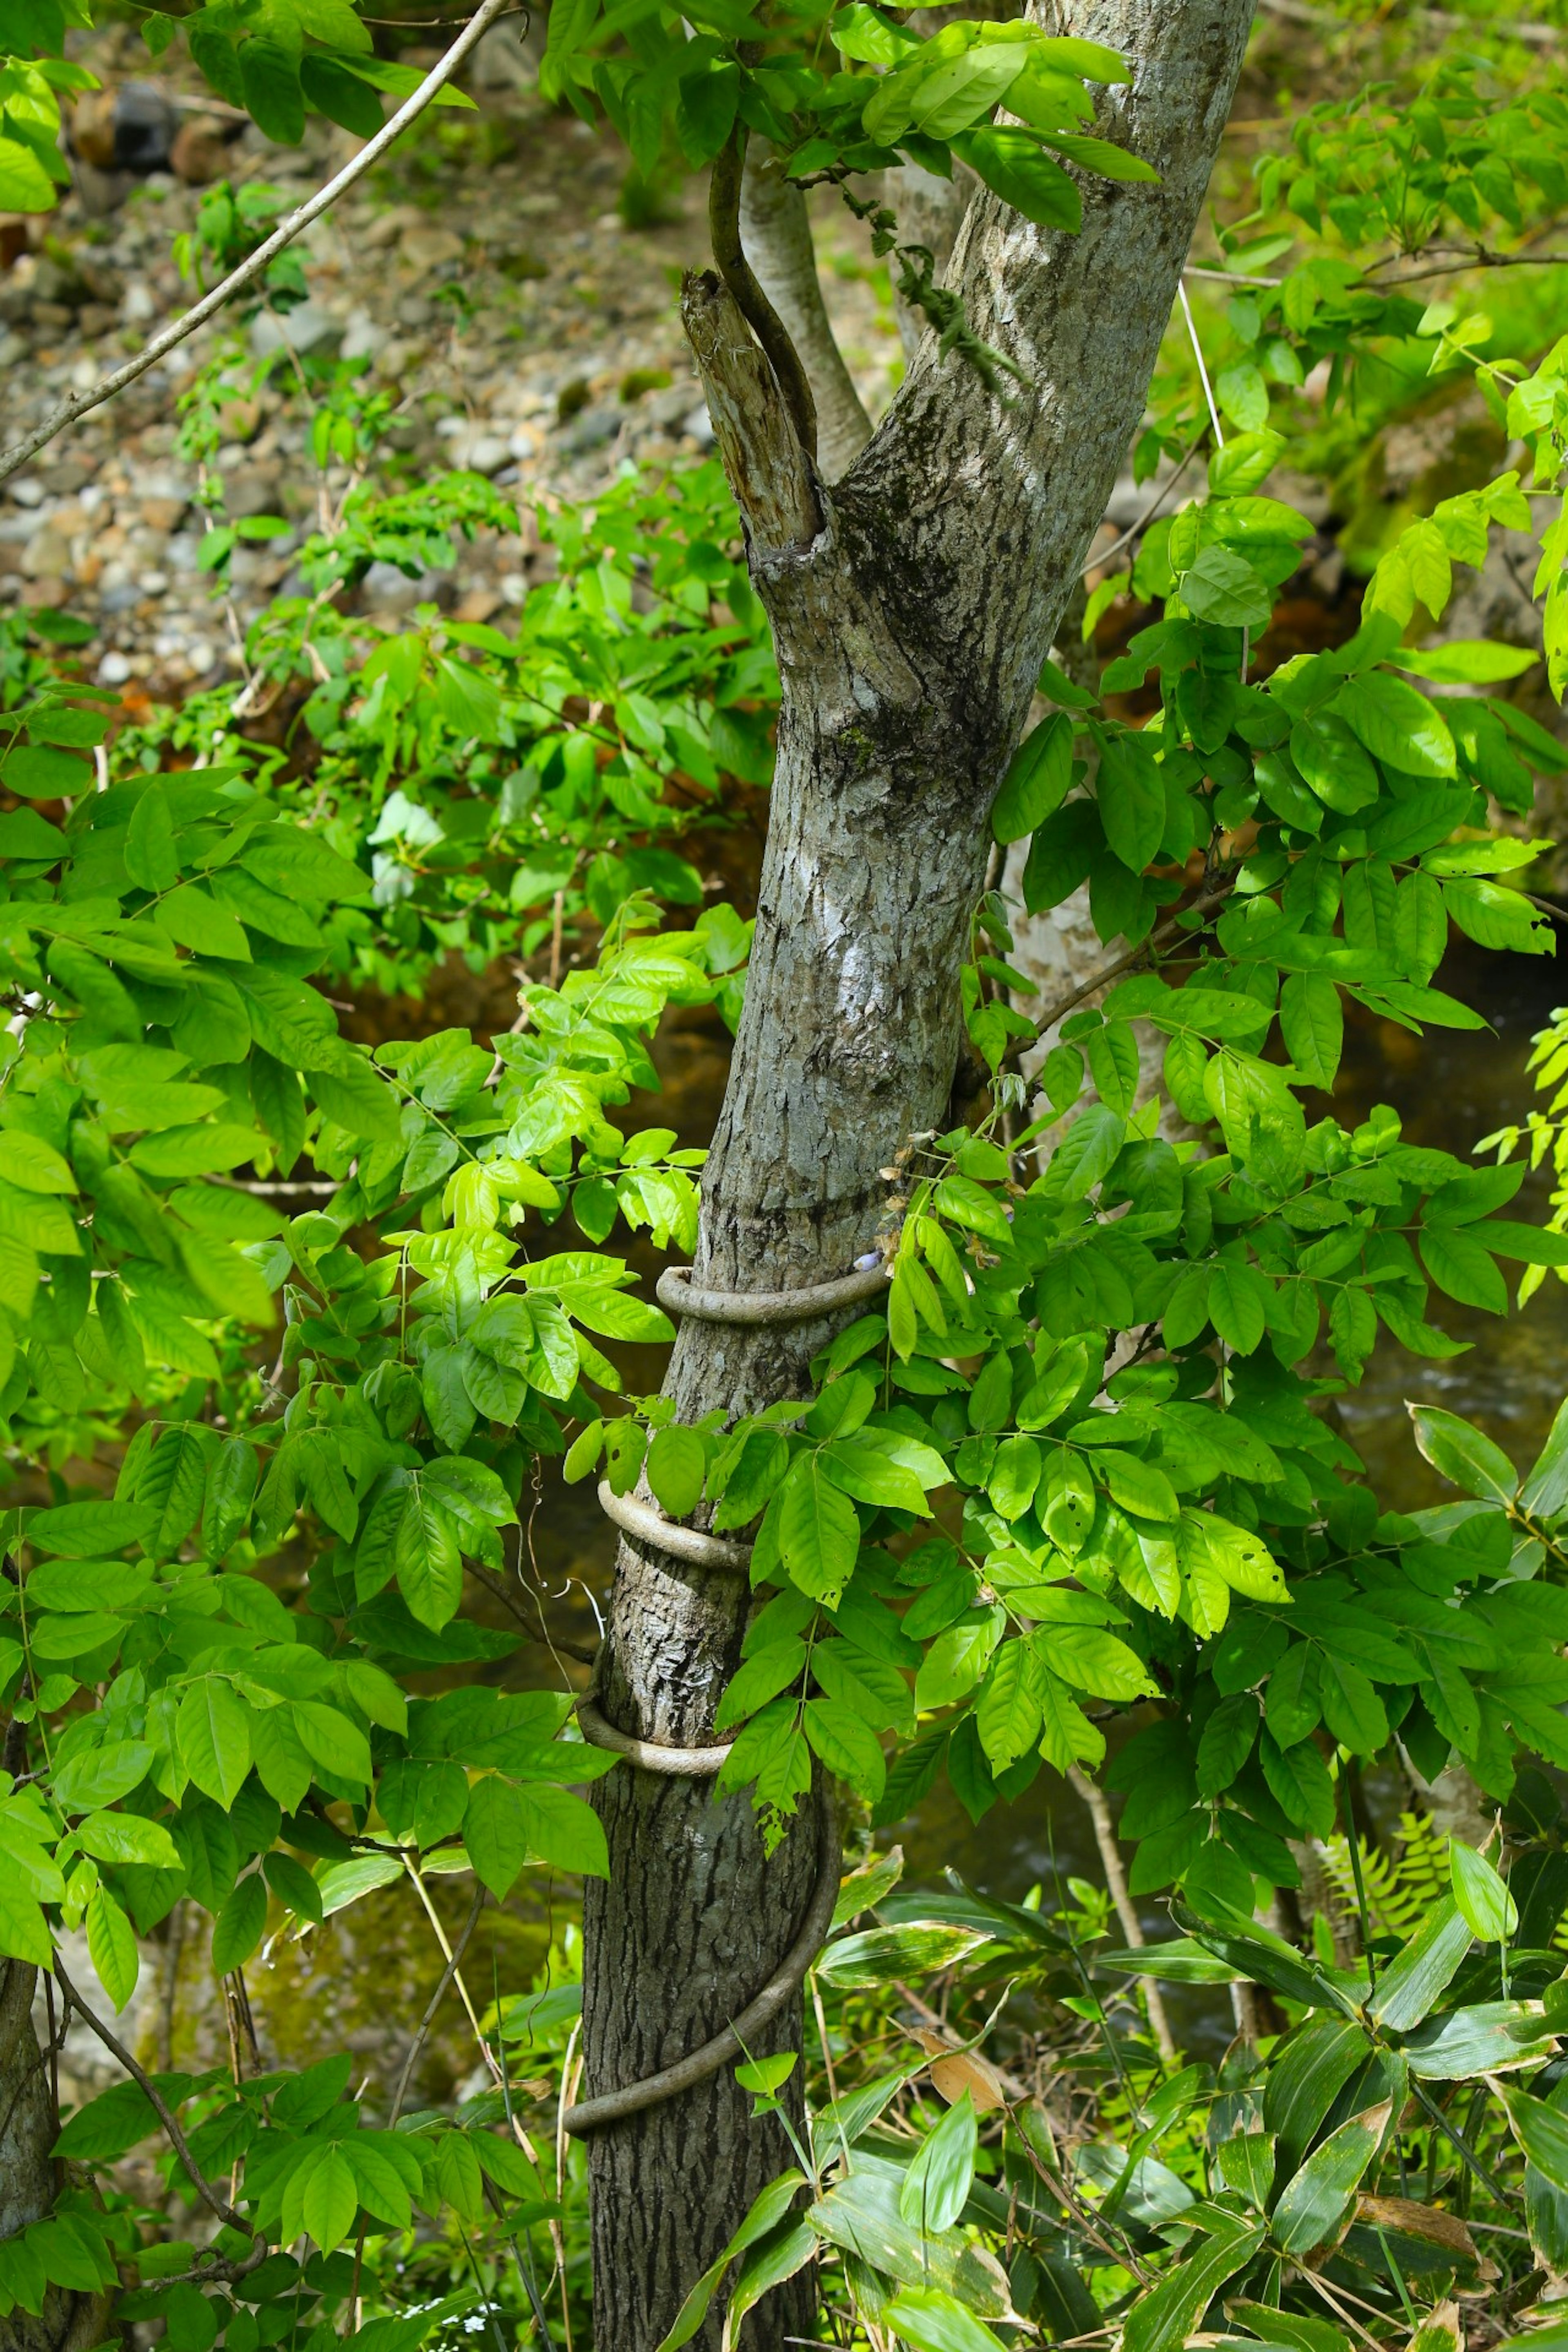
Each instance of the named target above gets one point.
<point>724,227</point>
<point>769,470</point>
<point>775,230</point>
<point>12,459</point>
<point>209,2196</point>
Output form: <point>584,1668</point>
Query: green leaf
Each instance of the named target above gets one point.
<point>128,1838</point>
<point>1015,168</point>
<point>936,2322</point>
<point>563,1829</point>
<point>214,1738</point>
<point>152,855</point>
<point>1459,1266</point>
<point>112,1946</point>
<point>1421,1973</point>
<point>1485,1903</point>
<point>81,1530</point>
<point>705,114</point>
<point>819,1531</point>
<point>847,1746</point>
<point>239,1925</point>
<point>1541,2131</point>
<point>1132,796</point>
<point>677,1463</point>
<point>937,2184</point>
<point>35,1166</point>
<point>1462,1456</point>
<point>883,1955</point>
<point>331,2194</point>
<point>1165,2317</point>
<point>1221,586</point>
<point>494,1835</point>
<point>1036,781</point>
<point>271,79</point>
<point>331,88</point>
<point>765,2211</point>
<point>1397,725</point>
<point>231,1481</point>
<point>23,1933</point>
<point>25,187</point>
<point>1498,918</point>
<point>1312,2205</point>
<point>1299,1780</point>
<point>429,1564</point>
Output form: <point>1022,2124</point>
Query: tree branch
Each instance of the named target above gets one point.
<point>437,1998</point>
<point>769,469</point>
<point>12,459</point>
<point>209,2196</point>
<point>724,228</point>
<point>1113,970</point>
<point>775,230</point>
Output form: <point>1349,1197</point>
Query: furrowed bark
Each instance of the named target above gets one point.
<point>29,2179</point>
<point>911,607</point>
<point>775,230</point>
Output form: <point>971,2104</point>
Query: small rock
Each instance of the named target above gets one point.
<point>46,555</point>
<point>251,490</point>
<point>162,514</point>
<point>699,427</point>
<point>137,304</point>
<point>45,595</point>
<point>427,249</point>
<point>591,430</point>
<point>29,492</point>
<point>414,311</point>
<point>64,480</point>
<point>477,452</point>
<point>306,327</point>
<point>200,153</point>
<point>113,669</point>
<point>385,589</point>
<point>362,337</point>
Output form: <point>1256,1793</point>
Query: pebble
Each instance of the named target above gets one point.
<point>308,327</point>
<point>476,388</point>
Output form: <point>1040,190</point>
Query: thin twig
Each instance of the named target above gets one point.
<point>1110,971</point>
<point>77,406</point>
<point>158,2104</point>
<point>1111,1862</point>
<point>437,1998</point>
<point>1097,563</point>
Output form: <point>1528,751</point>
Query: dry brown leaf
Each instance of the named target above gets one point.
<point>954,2072</point>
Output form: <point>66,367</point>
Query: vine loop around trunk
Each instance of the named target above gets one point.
<point>681,1296</point>
<point>646,1525</point>
<point>614,2106</point>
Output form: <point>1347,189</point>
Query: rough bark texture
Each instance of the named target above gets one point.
<point>775,230</point>
<point>29,2179</point>
<point>911,607</point>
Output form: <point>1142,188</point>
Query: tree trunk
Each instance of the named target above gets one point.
<point>28,2177</point>
<point>911,607</point>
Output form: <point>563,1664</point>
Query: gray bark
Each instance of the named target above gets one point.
<point>911,607</point>
<point>28,2177</point>
<point>775,230</point>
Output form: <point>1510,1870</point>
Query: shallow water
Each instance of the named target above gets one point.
<point>1449,1088</point>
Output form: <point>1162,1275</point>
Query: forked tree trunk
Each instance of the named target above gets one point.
<point>911,607</point>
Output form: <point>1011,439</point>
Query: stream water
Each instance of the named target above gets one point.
<point>1449,1088</point>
